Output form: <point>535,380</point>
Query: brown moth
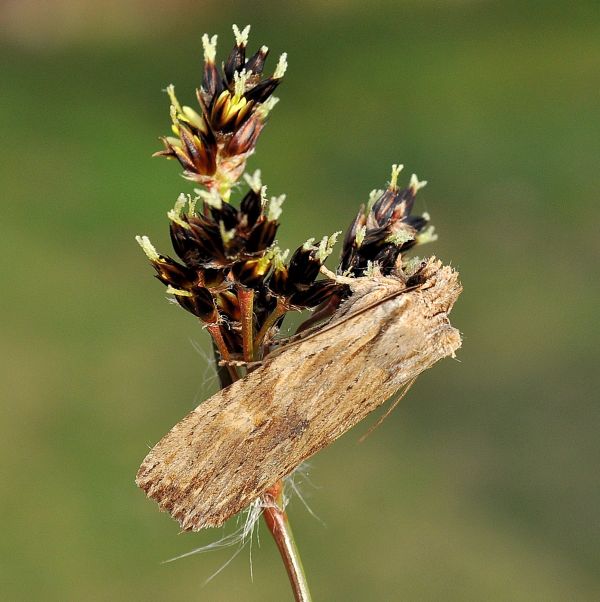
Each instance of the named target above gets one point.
<point>235,445</point>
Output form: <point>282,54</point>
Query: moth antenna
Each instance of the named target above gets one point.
<point>320,329</point>
<point>400,397</point>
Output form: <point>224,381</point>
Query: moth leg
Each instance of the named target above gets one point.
<point>323,312</point>
<point>241,363</point>
<point>271,324</point>
<point>417,277</point>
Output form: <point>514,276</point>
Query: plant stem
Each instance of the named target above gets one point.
<point>219,343</point>
<point>274,513</point>
<point>246,300</point>
<point>278,524</point>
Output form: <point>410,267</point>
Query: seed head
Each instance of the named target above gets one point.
<point>385,229</point>
<point>228,251</point>
<point>213,143</point>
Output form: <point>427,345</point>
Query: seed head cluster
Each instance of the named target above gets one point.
<point>212,146</point>
<point>230,272</point>
<point>385,229</point>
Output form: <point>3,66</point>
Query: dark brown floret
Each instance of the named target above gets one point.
<point>380,234</point>
<point>201,303</point>
<point>256,62</point>
<point>213,145</point>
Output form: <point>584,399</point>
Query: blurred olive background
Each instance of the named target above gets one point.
<point>483,484</point>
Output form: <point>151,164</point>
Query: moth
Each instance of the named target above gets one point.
<point>235,445</point>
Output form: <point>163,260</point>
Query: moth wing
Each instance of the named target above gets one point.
<point>240,441</point>
<point>234,446</point>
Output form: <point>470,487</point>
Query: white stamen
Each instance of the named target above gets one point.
<point>263,196</point>
<point>210,197</point>
<point>373,197</point>
<point>224,188</point>
<point>373,270</point>
<point>148,248</point>
<point>175,214</point>
<point>428,235</point>
<point>267,258</point>
<point>275,207</point>
<point>174,119</point>
<point>176,218</point>
<point>180,203</point>
<point>241,37</point>
<point>426,216</point>
<point>341,279</point>
<point>266,107</point>
<point>192,204</point>
<point>279,257</point>
<point>281,66</point>
<point>415,185</point>
<point>210,48</point>
<point>173,141</point>
<point>412,265</point>
<point>396,169</point>
<point>403,234</point>
<point>254,181</point>
<point>359,237</point>
<point>309,245</point>
<point>326,246</point>
<point>240,79</point>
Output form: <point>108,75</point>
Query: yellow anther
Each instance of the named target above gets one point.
<point>178,292</point>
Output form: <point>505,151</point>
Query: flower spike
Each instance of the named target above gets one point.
<point>382,232</point>
<point>213,143</point>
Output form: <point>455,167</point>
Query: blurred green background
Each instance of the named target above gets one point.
<point>483,484</point>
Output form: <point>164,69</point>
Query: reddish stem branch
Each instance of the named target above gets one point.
<point>217,335</point>
<point>246,299</point>
<point>278,524</point>
<point>259,340</point>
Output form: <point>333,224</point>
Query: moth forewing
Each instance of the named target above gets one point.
<point>235,445</point>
